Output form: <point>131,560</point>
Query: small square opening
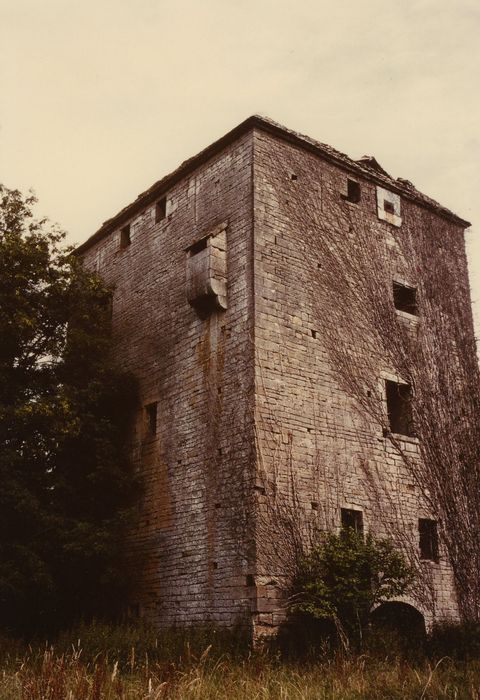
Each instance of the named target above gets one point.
<point>405,298</point>
<point>133,610</point>
<point>198,246</point>
<point>388,207</point>
<point>106,305</point>
<point>428,539</point>
<point>160,210</point>
<point>399,408</point>
<point>151,417</point>
<point>352,520</point>
<point>353,191</point>
<point>125,239</point>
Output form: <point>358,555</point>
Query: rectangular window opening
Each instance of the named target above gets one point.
<point>399,408</point>
<point>198,246</point>
<point>388,207</point>
<point>353,191</point>
<point>105,305</point>
<point>160,210</point>
<point>352,520</point>
<point>151,416</point>
<point>428,539</point>
<point>125,236</point>
<point>133,611</point>
<point>405,298</point>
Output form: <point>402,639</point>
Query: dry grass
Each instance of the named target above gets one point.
<point>52,676</point>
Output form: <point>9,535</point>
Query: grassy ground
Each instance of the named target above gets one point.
<point>177,669</point>
<point>53,677</point>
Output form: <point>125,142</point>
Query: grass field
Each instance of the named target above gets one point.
<point>66,676</point>
<point>179,670</point>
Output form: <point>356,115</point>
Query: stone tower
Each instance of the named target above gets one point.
<point>226,308</point>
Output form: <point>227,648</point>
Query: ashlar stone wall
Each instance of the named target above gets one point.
<point>318,451</point>
<point>193,437</point>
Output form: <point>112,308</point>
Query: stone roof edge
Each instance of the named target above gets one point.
<point>265,124</point>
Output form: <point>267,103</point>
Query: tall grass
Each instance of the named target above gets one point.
<point>66,677</point>
<point>132,663</point>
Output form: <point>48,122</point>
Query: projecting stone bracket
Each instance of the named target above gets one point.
<point>207,272</point>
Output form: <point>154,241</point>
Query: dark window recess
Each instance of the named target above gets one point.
<point>160,209</point>
<point>388,207</point>
<point>125,236</point>
<point>428,539</point>
<point>151,414</point>
<point>250,580</point>
<point>405,298</point>
<point>109,305</point>
<point>133,610</point>
<point>353,192</point>
<point>205,305</point>
<point>198,246</point>
<point>352,520</point>
<point>105,305</point>
<point>399,408</point>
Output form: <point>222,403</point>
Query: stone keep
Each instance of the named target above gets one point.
<point>244,420</point>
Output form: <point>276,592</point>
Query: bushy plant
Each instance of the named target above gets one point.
<point>344,577</point>
<point>135,641</point>
<point>460,641</point>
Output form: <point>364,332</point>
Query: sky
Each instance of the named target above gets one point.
<point>101,98</point>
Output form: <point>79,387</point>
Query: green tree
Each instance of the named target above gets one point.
<point>67,486</point>
<point>345,577</point>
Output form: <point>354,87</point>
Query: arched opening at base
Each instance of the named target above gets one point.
<point>398,627</point>
<point>399,617</point>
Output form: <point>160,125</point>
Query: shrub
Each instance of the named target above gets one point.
<point>132,643</point>
<point>459,640</point>
<point>344,577</point>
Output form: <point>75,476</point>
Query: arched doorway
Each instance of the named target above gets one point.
<point>399,625</point>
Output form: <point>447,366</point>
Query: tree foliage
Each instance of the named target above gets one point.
<point>67,485</point>
<point>346,576</point>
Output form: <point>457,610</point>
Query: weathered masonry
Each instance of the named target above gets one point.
<point>231,278</point>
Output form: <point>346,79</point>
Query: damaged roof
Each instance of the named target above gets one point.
<point>366,167</point>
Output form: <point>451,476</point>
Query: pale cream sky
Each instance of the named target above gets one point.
<point>101,98</point>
